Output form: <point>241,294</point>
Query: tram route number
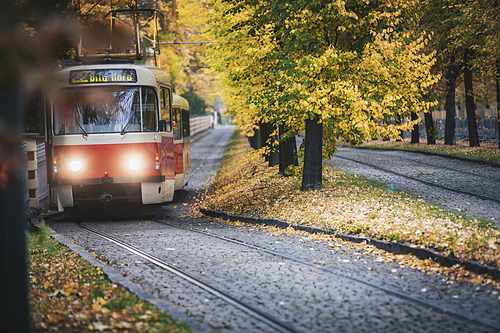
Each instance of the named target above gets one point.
<point>102,76</point>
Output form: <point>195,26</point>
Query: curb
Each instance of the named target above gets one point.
<point>393,247</point>
<point>425,152</point>
<point>116,277</point>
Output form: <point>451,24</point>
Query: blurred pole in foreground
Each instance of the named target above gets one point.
<point>14,316</point>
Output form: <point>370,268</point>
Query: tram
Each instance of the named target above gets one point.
<point>116,135</point>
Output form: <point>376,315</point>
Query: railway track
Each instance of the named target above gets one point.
<point>459,186</point>
<point>441,165</point>
<point>397,293</point>
<point>268,320</point>
<point>440,186</point>
<point>258,315</point>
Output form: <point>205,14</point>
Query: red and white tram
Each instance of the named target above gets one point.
<point>116,134</point>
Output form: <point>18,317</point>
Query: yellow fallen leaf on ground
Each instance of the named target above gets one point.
<point>97,307</point>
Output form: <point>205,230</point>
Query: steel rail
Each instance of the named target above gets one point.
<point>419,180</point>
<point>388,290</point>
<point>262,317</point>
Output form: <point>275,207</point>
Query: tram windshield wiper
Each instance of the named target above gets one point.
<point>84,133</point>
<point>128,123</point>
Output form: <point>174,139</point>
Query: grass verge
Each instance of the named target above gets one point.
<point>67,294</point>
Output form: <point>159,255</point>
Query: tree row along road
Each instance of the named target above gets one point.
<point>308,285</point>
<point>459,186</point>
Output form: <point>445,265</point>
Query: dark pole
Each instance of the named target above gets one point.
<point>14,314</point>
<point>498,99</point>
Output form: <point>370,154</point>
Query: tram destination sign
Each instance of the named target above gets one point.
<point>87,76</point>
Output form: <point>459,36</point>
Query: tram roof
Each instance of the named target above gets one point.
<point>146,74</point>
<point>179,101</point>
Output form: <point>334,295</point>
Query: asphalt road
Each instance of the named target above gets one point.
<point>309,285</point>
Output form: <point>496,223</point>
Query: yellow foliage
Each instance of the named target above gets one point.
<point>270,73</point>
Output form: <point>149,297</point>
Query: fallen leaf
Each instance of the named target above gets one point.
<point>97,307</point>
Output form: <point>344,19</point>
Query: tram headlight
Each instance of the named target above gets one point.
<point>157,161</point>
<point>133,164</point>
<point>54,163</point>
<point>76,165</point>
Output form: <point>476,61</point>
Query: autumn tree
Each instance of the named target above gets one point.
<point>439,17</point>
<point>481,30</point>
<point>466,38</point>
<point>191,73</point>
<point>335,70</point>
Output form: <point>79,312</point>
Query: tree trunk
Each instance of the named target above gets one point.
<point>415,133</point>
<point>313,155</point>
<point>430,128</point>
<point>288,151</point>
<point>498,99</point>
<point>469,101</point>
<point>451,113</point>
<point>263,136</point>
<point>401,133</point>
<point>256,139</point>
<point>274,155</point>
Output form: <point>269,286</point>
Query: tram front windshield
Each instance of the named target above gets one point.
<point>116,109</point>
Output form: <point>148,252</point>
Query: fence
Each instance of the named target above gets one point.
<point>487,129</point>
<point>198,124</point>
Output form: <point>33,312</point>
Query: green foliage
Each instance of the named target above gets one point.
<point>196,104</point>
<point>42,239</point>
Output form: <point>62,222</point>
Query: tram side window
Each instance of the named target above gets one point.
<point>185,123</point>
<point>165,108</point>
<point>149,108</point>
<point>176,115</point>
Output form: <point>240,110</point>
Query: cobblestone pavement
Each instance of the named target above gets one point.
<point>311,286</point>
<point>445,172</point>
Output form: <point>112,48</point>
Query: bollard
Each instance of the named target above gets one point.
<point>34,200</point>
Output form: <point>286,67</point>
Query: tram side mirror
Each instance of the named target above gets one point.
<point>163,125</point>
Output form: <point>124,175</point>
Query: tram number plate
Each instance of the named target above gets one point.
<point>87,76</point>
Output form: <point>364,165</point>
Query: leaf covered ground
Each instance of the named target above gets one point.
<point>67,294</point>
<point>347,204</point>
